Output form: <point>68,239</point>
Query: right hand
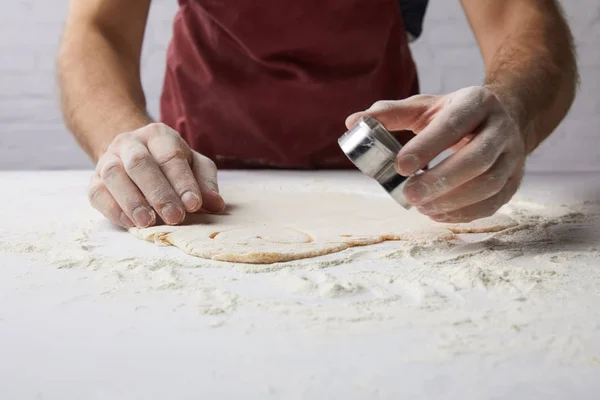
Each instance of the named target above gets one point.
<point>153,171</point>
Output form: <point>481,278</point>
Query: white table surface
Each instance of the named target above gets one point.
<point>80,326</point>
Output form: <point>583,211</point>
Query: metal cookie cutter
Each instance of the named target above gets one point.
<point>373,149</point>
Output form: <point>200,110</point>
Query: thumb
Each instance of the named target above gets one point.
<point>398,115</point>
<point>353,119</point>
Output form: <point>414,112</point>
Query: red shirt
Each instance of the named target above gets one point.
<point>269,83</point>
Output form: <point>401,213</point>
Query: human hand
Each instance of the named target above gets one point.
<point>488,147</point>
<point>152,170</point>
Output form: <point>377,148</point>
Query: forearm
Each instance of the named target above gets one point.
<point>534,72</point>
<point>101,92</point>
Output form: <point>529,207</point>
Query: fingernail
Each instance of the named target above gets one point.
<point>143,217</point>
<point>172,214</point>
<point>126,221</point>
<point>351,119</point>
<point>407,165</point>
<point>191,201</point>
<point>415,192</point>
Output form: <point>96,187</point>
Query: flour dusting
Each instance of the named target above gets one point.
<point>502,283</point>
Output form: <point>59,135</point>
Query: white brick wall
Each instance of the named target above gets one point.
<point>32,134</point>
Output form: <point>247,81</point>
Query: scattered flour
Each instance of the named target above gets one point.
<point>25,242</point>
<point>319,284</point>
<point>500,283</point>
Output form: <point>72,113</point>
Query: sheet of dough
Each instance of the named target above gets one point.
<point>263,227</point>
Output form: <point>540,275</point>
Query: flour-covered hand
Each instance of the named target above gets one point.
<point>488,147</point>
<point>152,171</point>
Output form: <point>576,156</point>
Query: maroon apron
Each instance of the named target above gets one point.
<point>269,83</point>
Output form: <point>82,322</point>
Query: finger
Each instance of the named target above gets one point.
<point>144,171</point>
<point>125,192</point>
<point>460,115</point>
<point>483,208</point>
<point>474,191</point>
<point>101,199</point>
<point>173,158</point>
<point>462,143</point>
<point>474,159</point>
<point>397,115</point>
<point>205,172</point>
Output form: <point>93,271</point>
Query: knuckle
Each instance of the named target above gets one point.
<point>95,192</point>
<point>382,105</point>
<point>159,128</point>
<point>119,139</point>
<point>155,125</point>
<point>110,168</point>
<point>160,194</point>
<point>177,154</point>
<point>137,160</point>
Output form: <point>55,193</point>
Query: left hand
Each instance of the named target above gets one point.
<point>485,169</point>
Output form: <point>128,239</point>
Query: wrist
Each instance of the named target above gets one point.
<point>100,146</point>
<point>516,109</point>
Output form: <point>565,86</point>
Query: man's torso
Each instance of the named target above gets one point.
<point>269,83</point>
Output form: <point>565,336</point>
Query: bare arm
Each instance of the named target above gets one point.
<point>531,77</point>
<point>99,71</point>
<point>529,60</point>
<point>143,169</point>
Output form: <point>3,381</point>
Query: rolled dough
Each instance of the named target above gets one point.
<point>263,227</point>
